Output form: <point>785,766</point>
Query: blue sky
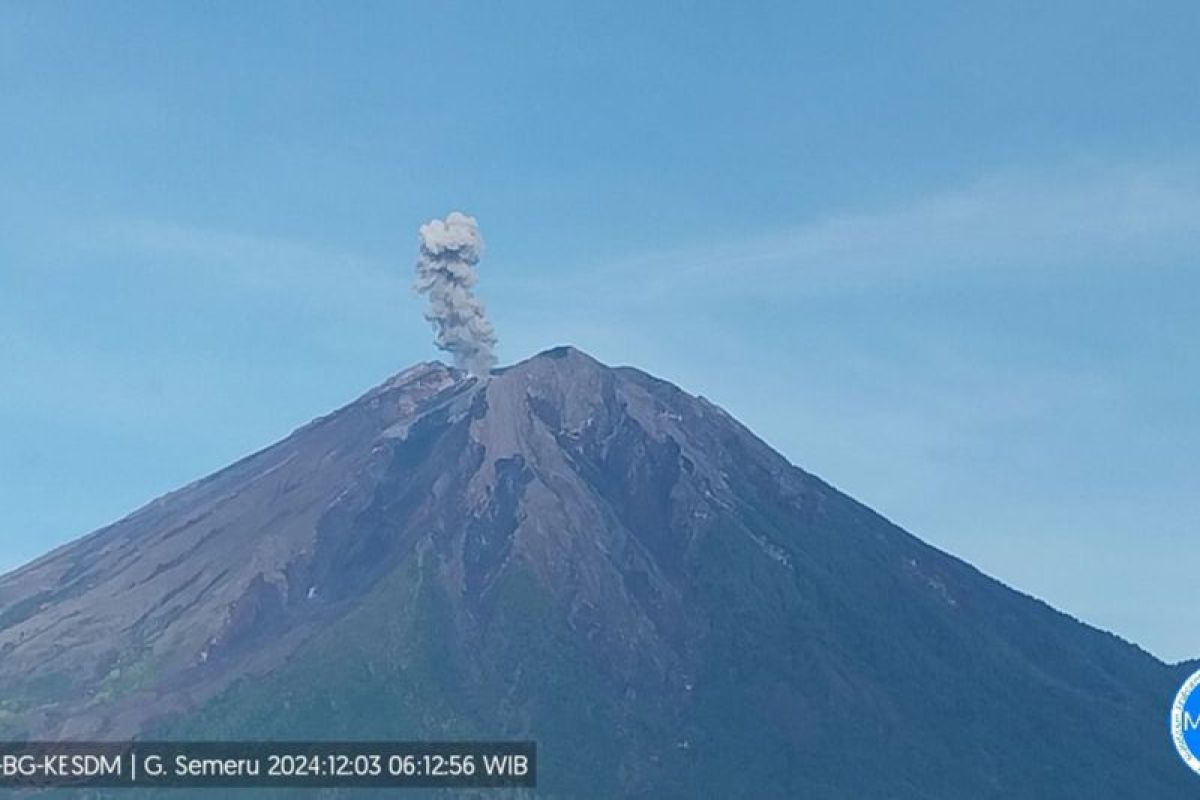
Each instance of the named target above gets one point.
<point>943,255</point>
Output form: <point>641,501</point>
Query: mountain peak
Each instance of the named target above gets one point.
<point>438,372</point>
<point>564,355</point>
<point>564,351</point>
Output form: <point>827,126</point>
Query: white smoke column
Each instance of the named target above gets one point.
<point>450,249</point>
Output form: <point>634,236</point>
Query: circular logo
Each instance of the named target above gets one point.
<point>1185,722</point>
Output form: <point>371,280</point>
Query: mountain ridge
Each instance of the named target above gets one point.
<point>591,556</point>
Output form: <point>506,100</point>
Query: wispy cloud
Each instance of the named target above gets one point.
<point>148,320</point>
<point>1011,224</point>
<point>248,262</point>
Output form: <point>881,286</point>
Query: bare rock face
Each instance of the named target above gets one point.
<point>142,614</point>
<point>593,558</point>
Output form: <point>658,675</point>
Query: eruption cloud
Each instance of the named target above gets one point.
<point>450,249</point>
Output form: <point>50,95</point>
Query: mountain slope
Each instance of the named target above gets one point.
<point>590,557</point>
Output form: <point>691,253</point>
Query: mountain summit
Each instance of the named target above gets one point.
<point>592,558</point>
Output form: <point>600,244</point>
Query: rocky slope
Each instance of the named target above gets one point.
<point>593,558</point>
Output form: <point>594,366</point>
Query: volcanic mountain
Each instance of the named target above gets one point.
<point>592,558</point>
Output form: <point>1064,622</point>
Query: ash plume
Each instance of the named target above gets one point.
<point>450,249</point>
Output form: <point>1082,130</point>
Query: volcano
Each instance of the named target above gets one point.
<point>592,558</point>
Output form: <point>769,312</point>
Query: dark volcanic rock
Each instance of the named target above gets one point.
<point>593,558</point>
